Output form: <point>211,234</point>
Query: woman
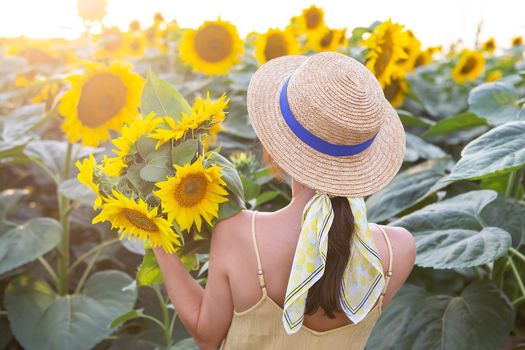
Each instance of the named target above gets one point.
<point>313,275</point>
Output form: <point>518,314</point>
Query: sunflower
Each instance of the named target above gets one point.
<point>494,75</point>
<point>489,45</point>
<point>275,43</point>
<point>213,48</point>
<point>412,48</point>
<point>470,65</point>
<point>134,219</point>
<point>136,43</point>
<point>396,90</point>
<point>425,57</point>
<point>111,44</point>
<point>131,132</point>
<point>47,94</point>
<point>92,10</point>
<point>311,19</point>
<point>204,113</point>
<point>134,25</point>
<point>103,98</point>
<point>193,194</point>
<point>385,48</point>
<point>326,39</point>
<point>517,41</point>
<point>85,176</point>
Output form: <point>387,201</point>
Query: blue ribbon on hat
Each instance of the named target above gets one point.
<point>310,139</point>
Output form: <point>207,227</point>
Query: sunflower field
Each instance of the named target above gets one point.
<point>100,134</point>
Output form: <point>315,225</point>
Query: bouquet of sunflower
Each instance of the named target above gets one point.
<point>162,183</point>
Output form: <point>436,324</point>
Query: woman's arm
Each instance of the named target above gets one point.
<point>205,312</point>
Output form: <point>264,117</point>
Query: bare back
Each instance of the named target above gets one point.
<point>277,235</point>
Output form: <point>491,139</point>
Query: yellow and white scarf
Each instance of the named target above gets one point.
<point>363,279</point>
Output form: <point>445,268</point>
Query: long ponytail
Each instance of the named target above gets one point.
<point>326,292</point>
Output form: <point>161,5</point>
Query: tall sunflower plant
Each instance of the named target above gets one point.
<point>162,183</point>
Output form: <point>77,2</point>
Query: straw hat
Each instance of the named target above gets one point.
<point>325,121</point>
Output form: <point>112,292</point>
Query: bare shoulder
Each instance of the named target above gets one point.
<point>404,256</point>
<point>228,232</point>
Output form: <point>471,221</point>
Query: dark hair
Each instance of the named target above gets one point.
<point>326,292</point>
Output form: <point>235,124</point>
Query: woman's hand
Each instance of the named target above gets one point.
<point>205,312</point>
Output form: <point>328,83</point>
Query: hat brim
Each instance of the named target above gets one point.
<point>351,176</point>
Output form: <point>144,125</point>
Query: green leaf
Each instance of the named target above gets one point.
<point>407,189</point>
<point>185,344</point>
<point>163,99</point>
<point>127,316</point>
<point>408,119</point>
<point>145,146</point>
<point>496,102</point>
<point>451,233</point>
<point>265,197</point>
<point>27,242</point>
<point>231,207</point>
<point>417,148</point>
<point>509,215</point>
<point>20,121</point>
<point>74,190</point>
<point>478,319</point>
<point>43,320</point>
<point>148,272</point>
<point>458,122</point>
<point>251,189</point>
<point>500,150</point>
<point>184,153</point>
<point>157,168</point>
<point>230,175</point>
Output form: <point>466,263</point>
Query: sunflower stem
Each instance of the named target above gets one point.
<point>517,254</point>
<point>165,314</point>
<point>517,275</point>
<point>48,269</point>
<point>86,271</point>
<point>63,213</point>
<point>91,251</point>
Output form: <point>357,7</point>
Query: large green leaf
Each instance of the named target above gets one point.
<point>158,166</point>
<point>27,242</point>
<point>478,319</point>
<point>406,189</point>
<point>498,151</point>
<point>451,234</point>
<point>417,148</point>
<point>74,190</point>
<point>163,99</point>
<point>20,121</point>
<point>43,320</point>
<point>508,214</point>
<point>496,102</point>
<point>458,122</point>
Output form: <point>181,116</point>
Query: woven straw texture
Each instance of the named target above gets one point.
<point>339,100</point>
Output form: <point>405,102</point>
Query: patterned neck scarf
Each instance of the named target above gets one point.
<point>363,279</point>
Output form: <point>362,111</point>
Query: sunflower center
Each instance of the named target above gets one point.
<point>469,65</point>
<point>102,97</point>
<point>327,38</point>
<point>275,47</point>
<point>213,43</point>
<point>140,220</point>
<point>191,190</point>
<point>313,18</point>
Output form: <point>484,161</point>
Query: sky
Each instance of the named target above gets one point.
<point>433,22</point>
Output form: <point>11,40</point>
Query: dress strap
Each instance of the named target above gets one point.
<point>390,258</point>
<point>259,266</point>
